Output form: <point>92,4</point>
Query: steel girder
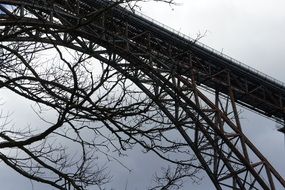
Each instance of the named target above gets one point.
<point>167,74</point>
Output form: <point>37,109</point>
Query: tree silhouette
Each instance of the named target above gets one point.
<point>98,114</point>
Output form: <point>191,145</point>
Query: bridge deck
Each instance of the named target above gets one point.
<point>253,89</point>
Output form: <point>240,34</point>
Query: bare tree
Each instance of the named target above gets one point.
<point>98,115</point>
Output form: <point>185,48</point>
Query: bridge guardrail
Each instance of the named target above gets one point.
<point>210,49</point>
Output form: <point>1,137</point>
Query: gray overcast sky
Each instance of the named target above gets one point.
<point>249,31</point>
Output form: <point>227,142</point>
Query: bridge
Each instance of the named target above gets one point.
<point>174,66</point>
<point>253,89</point>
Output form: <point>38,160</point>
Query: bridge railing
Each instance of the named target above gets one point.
<point>234,61</point>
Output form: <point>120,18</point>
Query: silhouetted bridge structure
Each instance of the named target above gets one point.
<point>174,65</point>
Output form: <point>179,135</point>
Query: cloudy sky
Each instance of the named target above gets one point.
<point>249,31</point>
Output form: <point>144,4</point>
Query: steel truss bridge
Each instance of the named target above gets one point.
<point>176,66</point>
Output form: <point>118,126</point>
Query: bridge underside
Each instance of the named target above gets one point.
<point>172,72</point>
